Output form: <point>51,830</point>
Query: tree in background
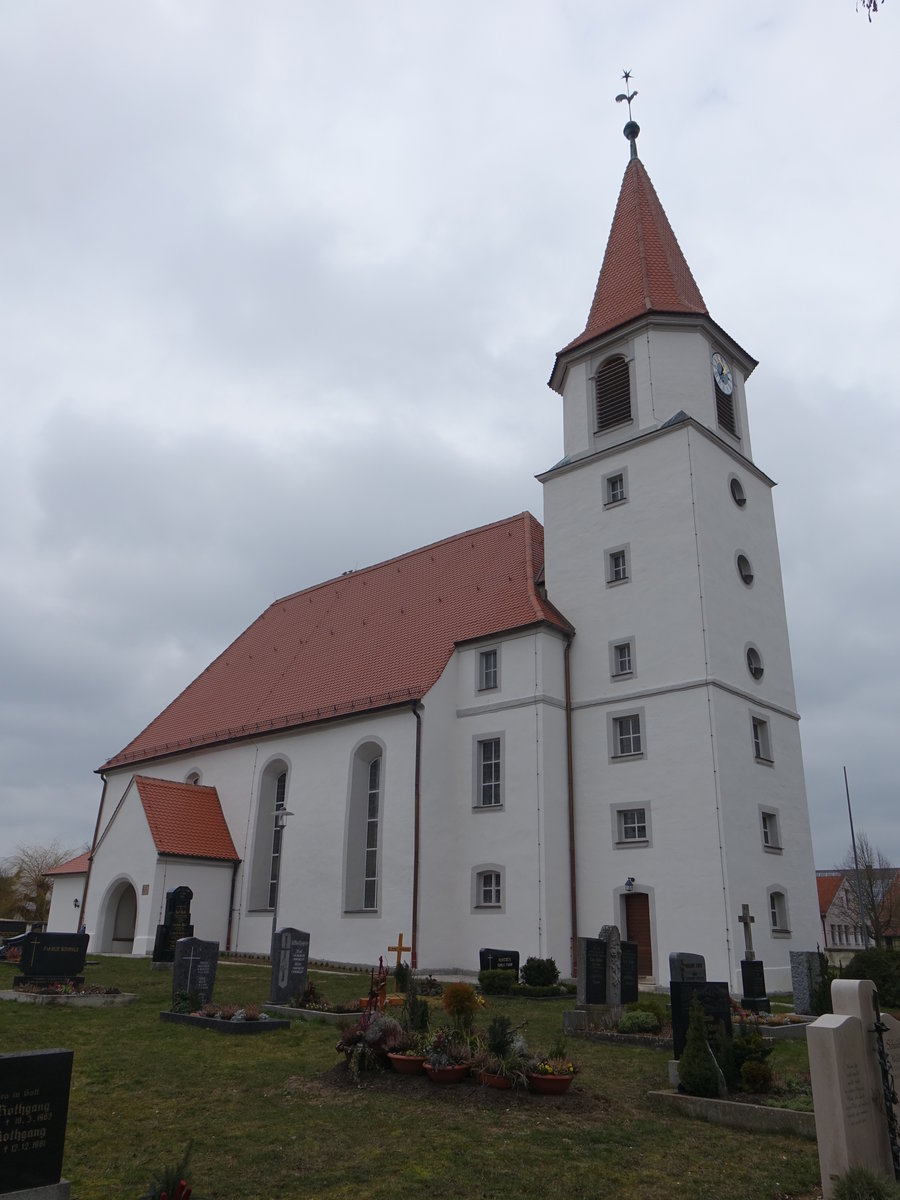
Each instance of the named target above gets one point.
<point>877,890</point>
<point>24,887</point>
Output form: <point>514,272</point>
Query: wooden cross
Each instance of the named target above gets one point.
<point>746,920</point>
<point>400,950</point>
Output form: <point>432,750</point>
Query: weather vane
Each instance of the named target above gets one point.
<point>632,129</point>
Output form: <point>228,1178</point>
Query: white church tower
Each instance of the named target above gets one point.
<point>661,550</point>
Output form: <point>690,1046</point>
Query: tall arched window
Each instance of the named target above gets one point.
<point>613,393</point>
<point>362,872</point>
<point>266,861</point>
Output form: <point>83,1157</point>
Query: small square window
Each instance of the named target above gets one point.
<point>489,790</point>
<point>633,825</point>
<point>489,889</point>
<point>762,750</point>
<point>622,658</point>
<point>627,732</point>
<point>771,836</point>
<point>615,488</point>
<point>617,565</point>
<point>487,670</point>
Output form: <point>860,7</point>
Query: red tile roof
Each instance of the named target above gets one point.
<point>828,887</point>
<point>74,866</point>
<point>643,269</point>
<point>369,639</point>
<point>185,819</point>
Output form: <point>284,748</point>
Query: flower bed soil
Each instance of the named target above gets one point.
<point>220,1026</point>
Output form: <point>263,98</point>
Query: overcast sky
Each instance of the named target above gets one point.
<point>281,286</point>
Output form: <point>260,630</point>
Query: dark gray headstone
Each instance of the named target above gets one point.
<point>34,1105</point>
<point>499,960</point>
<point>53,955</point>
<point>176,924</point>
<point>194,969</point>
<point>753,984</point>
<point>591,982</point>
<point>715,1000</point>
<point>290,959</point>
<point>609,934</point>
<point>806,978</point>
<point>687,968</point>
<point>630,990</point>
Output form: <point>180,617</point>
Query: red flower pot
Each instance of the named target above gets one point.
<point>501,1082</point>
<point>548,1085</point>
<point>454,1074</point>
<point>407,1064</point>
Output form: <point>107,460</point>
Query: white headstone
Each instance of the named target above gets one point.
<point>851,1127</point>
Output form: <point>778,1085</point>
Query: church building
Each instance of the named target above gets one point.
<point>516,735</point>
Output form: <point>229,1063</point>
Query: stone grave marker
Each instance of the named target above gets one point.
<point>194,969</point>
<point>687,968</point>
<point>176,924</point>
<point>806,978</point>
<point>753,977</point>
<point>52,956</point>
<point>499,960</point>
<point>290,960</point>
<point>591,981</point>
<point>715,1000</point>
<point>851,1118</point>
<point>34,1105</point>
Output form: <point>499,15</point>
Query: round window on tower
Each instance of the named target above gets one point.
<point>745,569</point>
<point>737,491</point>
<point>755,663</point>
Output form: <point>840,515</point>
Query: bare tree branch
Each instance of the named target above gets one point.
<point>874,890</point>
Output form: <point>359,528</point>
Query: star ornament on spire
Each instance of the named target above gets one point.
<point>632,129</point>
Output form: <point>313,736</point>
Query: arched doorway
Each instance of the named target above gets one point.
<point>120,919</point>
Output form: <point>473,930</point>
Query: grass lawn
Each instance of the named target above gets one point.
<point>275,1117</point>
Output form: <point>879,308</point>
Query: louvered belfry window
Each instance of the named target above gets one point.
<point>725,411</point>
<point>613,394</point>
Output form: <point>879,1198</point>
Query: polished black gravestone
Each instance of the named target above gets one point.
<point>715,1000</point>
<point>290,959</point>
<point>687,968</point>
<point>499,960</point>
<point>52,957</point>
<point>34,1105</point>
<point>176,924</point>
<point>753,983</point>
<point>194,969</point>
<point>591,982</point>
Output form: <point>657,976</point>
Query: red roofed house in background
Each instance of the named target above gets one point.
<point>518,734</point>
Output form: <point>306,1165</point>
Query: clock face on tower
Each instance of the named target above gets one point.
<point>722,373</point>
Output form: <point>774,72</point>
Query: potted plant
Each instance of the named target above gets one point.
<point>407,1054</point>
<point>552,1073</point>
<point>448,1056</point>
<point>502,1060</point>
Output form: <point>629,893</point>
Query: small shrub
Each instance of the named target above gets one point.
<point>756,1076</point>
<point>227,1011</point>
<point>654,1003</point>
<point>429,986</point>
<point>540,972</point>
<point>185,1002</point>
<point>415,1013</point>
<point>460,1001</point>
<point>883,968</point>
<point>639,1022</point>
<point>499,1034</point>
<point>496,983</point>
<point>251,1012</point>
<point>697,1071</point>
<point>401,975</point>
<point>862,1184</point>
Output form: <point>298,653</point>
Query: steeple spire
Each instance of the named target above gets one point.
<point>632,129</point>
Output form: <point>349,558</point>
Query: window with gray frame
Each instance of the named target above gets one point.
<point>487,670</point>
<point>489,773</point>
<point>627,735</point>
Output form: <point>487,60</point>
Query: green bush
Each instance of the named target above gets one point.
<point>639,1021</point>
<point>527,989</point>
<point>651,1002</point>
<point>820,1001</point>
<point>496,983</point>
<point>460,1002</point>
<point>698,1074</point>
<point>415,1013</point>
<point>862,1184</point>
<point>883,968</point>
<point>756,1076</point>
<point>540,972</point>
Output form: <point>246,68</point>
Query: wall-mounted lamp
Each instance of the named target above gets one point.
<point>75,903</point>
<point>629,884</point>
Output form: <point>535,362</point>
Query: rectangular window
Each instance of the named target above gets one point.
<point>778,913</point>
<point>762,749</point>
<point>615,489</point>
<point>370,884</point>
<point>487,670</point>
<point>280,788</point>
<point>834,935</point>
<point>489,773</point>
<point>633,825</point>
<point>627,732</point>
<point>771,836</point>
<point>489,889</point>
<point>622,658</point>
<point>618,566</point>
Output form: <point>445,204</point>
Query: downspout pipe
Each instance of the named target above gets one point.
<point>417,793</point>
<point>573,883</point>
<point>87,878</point>
<point>234,871</point>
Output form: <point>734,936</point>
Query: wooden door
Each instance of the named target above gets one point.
<point>637,924</point>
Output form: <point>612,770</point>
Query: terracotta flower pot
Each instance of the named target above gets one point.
<point>487,1079</point>
<point>452,1074</point>
<point>407,1064</point>
<point>548,1085</point>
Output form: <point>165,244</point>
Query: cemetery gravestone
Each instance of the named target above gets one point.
<point>194,969</point>
<point>48,957</point>
<point>715,1000</point>
<point>176,924</point>
<point>34,1105</point>
<point>591,983</point>
<point>290,960</point>
<point>753,986</point>
<point>687,968</point>
<point>499,960</point>
<point>848,1095</point>
<point>806,979</point>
